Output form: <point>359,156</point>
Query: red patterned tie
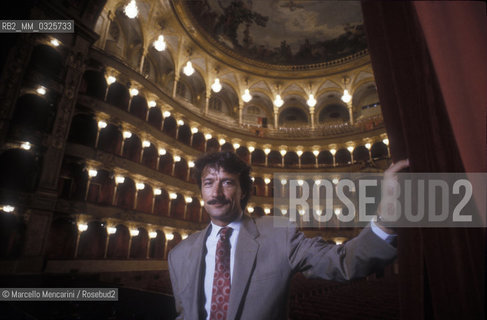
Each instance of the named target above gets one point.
<point>220,293</point>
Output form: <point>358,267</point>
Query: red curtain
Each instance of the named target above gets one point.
<point>440,129</point>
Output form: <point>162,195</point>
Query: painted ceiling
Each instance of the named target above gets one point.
<point>283,32</point>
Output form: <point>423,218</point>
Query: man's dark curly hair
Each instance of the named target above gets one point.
<point>229,162</point>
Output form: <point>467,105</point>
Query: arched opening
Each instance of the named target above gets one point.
<point>155,117</point>
<point>62,239</point>
<point>132,148</point>
<point>177,207</point>
<point>118,95</point>
<point>149,157</point>
<point>138,249</point>
<point>83,130</point>
<point>199,142</point>
<point>333,114</point>
<point>212,145</point>
<point>308,159</point>
<point>184,134</point>
<point>379,150</point>
<point>110,139</point>
<point>138,107</point>
<point>181,169</point>
<point>118,243</point>
<point>33,116</point>
<point>101,188</point>
<point>19,170</point>
<point>126,194</point>
<point>361,153</point>
<point>92,241</point>
<point>12,233</point>
<point>170,126</point>
<point>46,61</point>
<point>293,117</point>
<point>94,84</point>
<point>161,204</point>
<point>343,157</point>
<point>274,159</point>
<point>156,250</point>
<point>144,199</point>
<point>291,159</point>
<point>258,157</point>
<point>165,164</point>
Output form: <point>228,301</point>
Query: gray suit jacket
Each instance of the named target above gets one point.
<point>266,257</point>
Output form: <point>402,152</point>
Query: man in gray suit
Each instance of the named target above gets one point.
<point>240,267</point>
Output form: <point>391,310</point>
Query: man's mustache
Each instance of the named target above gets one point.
<point>218,201</point>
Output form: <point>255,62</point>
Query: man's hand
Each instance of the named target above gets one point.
<point>390,187</point>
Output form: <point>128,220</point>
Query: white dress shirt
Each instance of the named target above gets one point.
<point>211,243</point>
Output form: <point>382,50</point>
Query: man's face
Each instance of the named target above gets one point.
<point>221,193</point>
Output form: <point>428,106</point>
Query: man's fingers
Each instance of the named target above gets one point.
<point>398,166</point>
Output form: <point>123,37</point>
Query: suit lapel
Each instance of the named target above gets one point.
<point>196,268</point>
<point>245,254</point>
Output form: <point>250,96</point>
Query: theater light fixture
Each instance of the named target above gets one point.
<point>119,179</point>
<point>152,104</point>
<point>169,236</point>
<point>346,96</point>
<point>140,186</point>
<point>111,230</point>
<point>92,173</point>
<point>111,79</point>
<point>55,42</point>
<point>134,92</point>
<point>216,86</point>
<point>152,234</point>
<point>246,97</point>
<point>26,145</point>
<point>162,151</point>
<point>160,44</point>
<point>188,69</point>
<point>278,102</point>
<point>7,208</point>
<point>102,124</point>
<point>134,232</point>
<point>41,90</point>
<point>166,114</point>
<point>157,191</point>
<point>311,101</point>
<point>131,10</point>
<point>127,134</point>
<point>82,227</point>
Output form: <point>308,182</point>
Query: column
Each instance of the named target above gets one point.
<point>176,81</point>
<point>142,59</point>
<point>148,247</point>
<point>350,111</point>
<point>312,114</point>
<point>276,113</point>
<point>207,100</point>
<point>240,112</point>
<point>130,245</point>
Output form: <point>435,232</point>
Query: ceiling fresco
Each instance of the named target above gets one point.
<point>283,32</point>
